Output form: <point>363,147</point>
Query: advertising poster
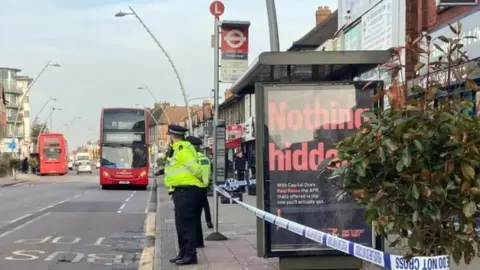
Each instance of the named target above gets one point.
<point>303,125</point>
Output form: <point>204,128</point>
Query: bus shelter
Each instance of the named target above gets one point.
<point>306,102</point>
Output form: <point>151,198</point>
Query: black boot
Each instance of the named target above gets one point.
<point>187,260</point>
<point>180,255</point>
<point>209,225</point>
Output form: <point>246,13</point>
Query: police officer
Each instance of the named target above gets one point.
<point>169,155</point>
<point>182,176</point>
<point>206,173</point>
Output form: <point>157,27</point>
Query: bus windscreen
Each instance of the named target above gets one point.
<point>124,157</point>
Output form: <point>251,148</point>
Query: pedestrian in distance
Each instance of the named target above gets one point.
<point>182,177</point>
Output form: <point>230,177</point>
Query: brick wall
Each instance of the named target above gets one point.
<point>423,15</point>
<point>446,16</point>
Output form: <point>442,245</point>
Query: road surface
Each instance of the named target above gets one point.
<point>68,222</point>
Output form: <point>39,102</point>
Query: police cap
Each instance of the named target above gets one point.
<point>177,130</point>
<point>194,140</point>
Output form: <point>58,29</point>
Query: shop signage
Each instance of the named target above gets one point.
<point>447,3</point>
<point>234,132</point>
<point>377,27</point>
<point>307,121</point>
<point>350,10</point>
<point>249,129</point>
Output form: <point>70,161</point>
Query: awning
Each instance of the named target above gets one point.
<point>232,144</point>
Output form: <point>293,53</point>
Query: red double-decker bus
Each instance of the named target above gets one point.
<point>124,147</point>
<point>52,152</point>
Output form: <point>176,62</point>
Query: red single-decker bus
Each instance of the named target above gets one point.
<point>52,151</point>
<point>124,147</point>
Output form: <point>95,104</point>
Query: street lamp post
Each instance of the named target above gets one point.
<point>71,123</point>
<point>272,26</point>
<point>49,64</point>
<point>43,107</point>
<point>156,101</point>
<point>49,117</point>
<point>184,93</point>
<point>156,125</point>
<point>151,114</point>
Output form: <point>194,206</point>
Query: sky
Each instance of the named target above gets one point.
<point>104,59</point>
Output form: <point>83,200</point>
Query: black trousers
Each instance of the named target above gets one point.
<point>187,211</point>
<point>240,177</point>
<point>206,206</point>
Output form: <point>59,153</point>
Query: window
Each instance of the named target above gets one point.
<point>124,157</point>
<point>52,153</point>
<point>26,113</point>
<point>11,113</point>
<point>11,99</point>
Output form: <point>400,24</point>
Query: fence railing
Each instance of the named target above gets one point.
<point>377,257</point>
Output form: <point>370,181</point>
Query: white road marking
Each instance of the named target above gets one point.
<point>121,207</point>
<point>42,209</point>
<point>24,225</point>
<point>19,218</point>
<point>126,201</point>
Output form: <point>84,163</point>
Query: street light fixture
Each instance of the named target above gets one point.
<point>182,88</point>
<point>49,64</point>
<point>43,107</point>
<point>71,123</point>
<point>49,117</point>
<point>122,14</point>
<point>156,101</point>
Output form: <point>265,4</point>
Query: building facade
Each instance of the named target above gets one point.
<point>3,116</point>
<point>15,87</point>
<point>372,25</point>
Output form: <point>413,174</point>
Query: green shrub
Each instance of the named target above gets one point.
<point>415,166</point>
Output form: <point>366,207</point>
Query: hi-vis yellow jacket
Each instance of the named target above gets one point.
<point>183,168</point>
<point>206,171</point>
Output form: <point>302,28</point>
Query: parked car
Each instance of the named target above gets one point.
<point>84,167</point>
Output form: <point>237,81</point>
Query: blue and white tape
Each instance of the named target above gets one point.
<point>362,252</point>
<point>232,184</point>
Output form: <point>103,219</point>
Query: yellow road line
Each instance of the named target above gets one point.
<point>146,259</point>
<point>150,224</point>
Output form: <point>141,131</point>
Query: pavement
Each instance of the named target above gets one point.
<point>68,222</point>
<point>238,252</point>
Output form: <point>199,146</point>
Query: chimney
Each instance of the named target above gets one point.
<point>228,94</point>
<point>207,109</point>
<point>322,14</point>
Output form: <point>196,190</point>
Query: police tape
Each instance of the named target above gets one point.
<point>380,258</point>
<point>232,184</point>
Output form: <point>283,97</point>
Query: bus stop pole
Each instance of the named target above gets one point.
<point>215,235</point>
